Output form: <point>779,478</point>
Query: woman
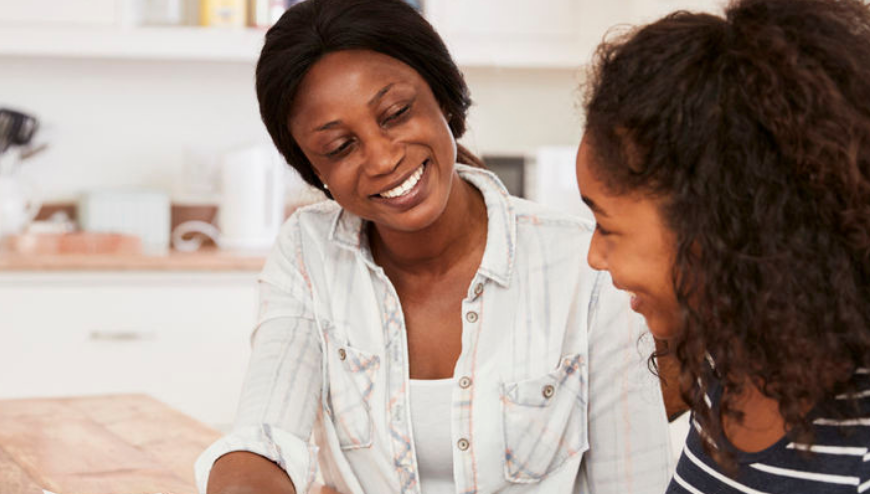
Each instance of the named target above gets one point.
<point>427,331</point>
<point>727,162</point>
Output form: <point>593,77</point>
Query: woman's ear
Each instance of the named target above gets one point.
<point>447,114</point>
<point>318,175</point>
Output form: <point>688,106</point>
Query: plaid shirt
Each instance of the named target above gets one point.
<point>552,393</point>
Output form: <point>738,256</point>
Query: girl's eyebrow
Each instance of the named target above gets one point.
<point>594,207</point>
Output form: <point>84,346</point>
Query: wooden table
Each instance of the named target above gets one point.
<point>123,444</point>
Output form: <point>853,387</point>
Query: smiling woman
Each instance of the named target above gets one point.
<point>377,138</point>
<point>429,333</point>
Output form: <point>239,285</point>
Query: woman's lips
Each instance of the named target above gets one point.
<point>406,186</point>
<point>410,197</point>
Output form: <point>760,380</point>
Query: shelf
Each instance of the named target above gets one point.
<point>185,43</point>
<point>173,43</point>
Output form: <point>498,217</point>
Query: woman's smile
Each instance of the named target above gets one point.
<point>410,191</point>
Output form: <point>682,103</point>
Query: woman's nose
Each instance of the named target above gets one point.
<point>384,154</point>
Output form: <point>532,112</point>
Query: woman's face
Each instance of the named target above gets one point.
<point>377,137</point>
<point>632,242</point>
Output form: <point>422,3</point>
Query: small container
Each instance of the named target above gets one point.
<point>223,13</point>
<point>161,12</point>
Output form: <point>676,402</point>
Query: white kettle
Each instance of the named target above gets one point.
<point>18,205</point>
<point>252,198</point>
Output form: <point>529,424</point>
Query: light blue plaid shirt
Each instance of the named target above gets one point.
<point>552,392</point>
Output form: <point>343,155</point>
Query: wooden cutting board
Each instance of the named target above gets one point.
<point>123,444</point>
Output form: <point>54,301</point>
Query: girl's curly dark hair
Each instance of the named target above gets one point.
<point>753,132</point>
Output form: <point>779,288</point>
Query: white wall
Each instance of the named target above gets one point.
<point>129,123</point>
<point>518,110</point>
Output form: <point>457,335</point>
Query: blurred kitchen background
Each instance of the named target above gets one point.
<point>128,124</point>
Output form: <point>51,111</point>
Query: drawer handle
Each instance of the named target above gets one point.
<point>121,336</point>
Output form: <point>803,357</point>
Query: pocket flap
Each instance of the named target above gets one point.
<point>545,421</point>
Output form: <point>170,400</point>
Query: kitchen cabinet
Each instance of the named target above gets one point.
<point>91,12</point>
<point>514,33</point>
<point>480,33</point>
<point>541,34</point>
<point>182,337</point>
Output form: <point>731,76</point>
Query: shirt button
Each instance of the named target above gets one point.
<point>464,382</point>
<point>342,354</point>
<point>548,391</point>
<point>478,288</point>
<point>462,444</point>
<point>471,317</point>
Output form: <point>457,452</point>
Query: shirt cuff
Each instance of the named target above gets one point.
<point>296,457</point>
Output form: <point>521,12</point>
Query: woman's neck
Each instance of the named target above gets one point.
<point>458,232</point>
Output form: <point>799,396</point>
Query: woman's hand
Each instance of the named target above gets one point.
<point>241,472</point>
<point>322,489</point>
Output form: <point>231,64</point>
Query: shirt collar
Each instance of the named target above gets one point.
<point>349,230</point>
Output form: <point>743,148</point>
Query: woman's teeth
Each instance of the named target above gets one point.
<point>405,186</point>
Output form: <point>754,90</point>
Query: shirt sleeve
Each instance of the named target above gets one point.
<point>629,444</point>
<point>282,389</point>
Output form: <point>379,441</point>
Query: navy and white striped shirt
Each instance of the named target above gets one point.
<point>839,462</point>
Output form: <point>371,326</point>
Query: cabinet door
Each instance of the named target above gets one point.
<point>509,32</point>
<point>63,12</point>
<point>183,339</point>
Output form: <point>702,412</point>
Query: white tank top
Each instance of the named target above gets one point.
<point>431,403</point>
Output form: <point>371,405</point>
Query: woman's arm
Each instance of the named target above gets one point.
<point>278,405</point>
<point>629,444</point>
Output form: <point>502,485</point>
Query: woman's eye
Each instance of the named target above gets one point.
<point>397,115</point>
<point>339,150</point>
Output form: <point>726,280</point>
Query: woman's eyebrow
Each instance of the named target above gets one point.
<point>380,94</point>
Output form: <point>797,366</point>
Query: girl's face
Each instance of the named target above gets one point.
<point>377,137</point>
<point>632,242</point>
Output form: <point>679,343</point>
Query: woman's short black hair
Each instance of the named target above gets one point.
<point>313,28</point>
<point>752,131</point>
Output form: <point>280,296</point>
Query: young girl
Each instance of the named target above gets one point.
<point>727,162</point>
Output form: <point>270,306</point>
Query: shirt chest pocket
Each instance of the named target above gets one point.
<point>545,421</point>
<point>351,384</point>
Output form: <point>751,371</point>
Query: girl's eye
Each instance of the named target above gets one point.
<point>345,145</point>
<point>602,231</point>
<point>397,115</point>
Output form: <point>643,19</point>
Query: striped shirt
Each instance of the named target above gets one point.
<point>839,462</point>
<point>551,391</point>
